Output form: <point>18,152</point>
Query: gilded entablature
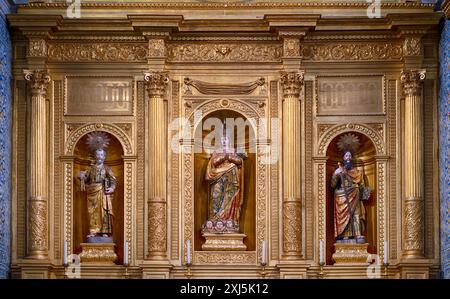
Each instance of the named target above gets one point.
<point>98,52</point>
<point>225,52</point>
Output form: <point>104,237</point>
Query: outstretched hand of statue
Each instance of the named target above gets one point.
<point>338,170</point>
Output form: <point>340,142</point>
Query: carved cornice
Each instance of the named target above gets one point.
<point>98,52</point>
<point>292,82</point>
<point>230,5</point>
<point>367,51</point>
<point>229,52</point>
<point>39,79</point>
<point>156,83</point>
<point>411,81</point>
<point>224,38</point>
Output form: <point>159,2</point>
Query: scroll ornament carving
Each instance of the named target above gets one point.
<point>354,51</point>
<point>156,48</point>
<point>38,223</point>
<point>38,79</point>
<point>156,227</point>
<point>156,83</point>
<point>291,83</point>
<point>223,89</point>
<point>412,80</point>
<point>291,47</point>
<point>412,46</point>
<point>105,52</point>
<point>228,258</point>
<point>413,225</point>
<point>206,52</point>
<point>37,48</point>
<point>292,232</point>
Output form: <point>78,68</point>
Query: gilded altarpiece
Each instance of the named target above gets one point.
<point>312,80</point>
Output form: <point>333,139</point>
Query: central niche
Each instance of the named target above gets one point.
<point>247,219</point>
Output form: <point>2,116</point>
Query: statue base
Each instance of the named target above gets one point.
<point>98,253</point>
<point>224,242</point>
<point>351,254</point>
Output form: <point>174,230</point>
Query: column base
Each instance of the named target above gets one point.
<point>156,269</point>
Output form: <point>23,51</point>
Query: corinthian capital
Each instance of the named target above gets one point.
<point>412,80</point>
<point>291,83</point>
<point>156,83</point>
<point>38,80</point>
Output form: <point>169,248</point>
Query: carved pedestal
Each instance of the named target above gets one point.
<point>220,242</point>
<point>98,253</point>
<point>355,254</point>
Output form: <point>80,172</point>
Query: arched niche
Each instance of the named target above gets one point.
<point>364,159</point>
<point>83,159</point>
<point>248,212</point>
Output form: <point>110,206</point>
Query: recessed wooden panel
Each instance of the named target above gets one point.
<point>99,96</point>
<point>350,95</point>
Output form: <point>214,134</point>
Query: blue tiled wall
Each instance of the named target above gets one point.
<point>444,145</point>
<point>5,140</point>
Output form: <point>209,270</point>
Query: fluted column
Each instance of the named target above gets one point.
<point>37,204</point>
<point>292,84</point>
<point>157,230</point>
<point>413,209</point>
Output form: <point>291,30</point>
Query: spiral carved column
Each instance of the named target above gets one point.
<point>37,204</point>
<point>157,229</point>
<point>413,210</point>
<point>292,84</point>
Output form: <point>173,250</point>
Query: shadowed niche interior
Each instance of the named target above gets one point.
<point>248,215</point>
<point>363,158</point>
<point>83,159</point>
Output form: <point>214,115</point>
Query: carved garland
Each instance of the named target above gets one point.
<point>352,52</point>
<point>92,52</point>
<point>229,52</point>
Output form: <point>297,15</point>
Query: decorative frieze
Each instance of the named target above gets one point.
<point>98,52</point>
<point>229,52</point>
<point>353,52</point>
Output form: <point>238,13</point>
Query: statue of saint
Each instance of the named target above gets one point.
<point>99,183</point>
<point>349,193</point>
<point>225,176</point>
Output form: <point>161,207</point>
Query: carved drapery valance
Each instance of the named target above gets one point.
<point>224,89</point>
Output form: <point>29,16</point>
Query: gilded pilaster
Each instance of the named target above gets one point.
<point>292,84</point>
<point>37,204</point>
<point>413,213</point>
<point>157,207</point>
